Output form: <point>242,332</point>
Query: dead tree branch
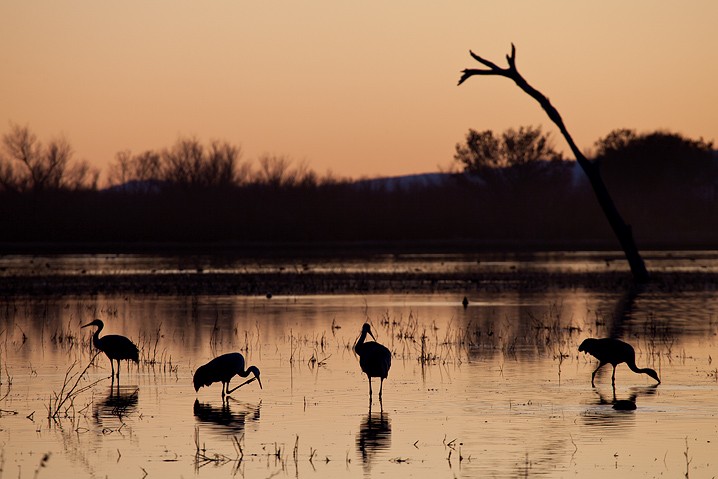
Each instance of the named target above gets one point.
<point>622,230</point>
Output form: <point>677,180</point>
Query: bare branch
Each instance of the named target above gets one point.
<point>620,228</point>
<point>512,73</point>
<point>511,59</point>
<point>494,69</point>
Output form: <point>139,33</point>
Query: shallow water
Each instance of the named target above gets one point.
<point>543,262</point>
<point>495,389</point>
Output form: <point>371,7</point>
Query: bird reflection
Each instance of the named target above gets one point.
<point>624,403</point>
<point>224,417</point>
<point>119,403</point>
<point>374,436</point>
<point>604,418</point>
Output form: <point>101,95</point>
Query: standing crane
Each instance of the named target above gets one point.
<point>374,358</point>
<point>116,347</point>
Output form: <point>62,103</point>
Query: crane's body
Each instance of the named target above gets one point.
<point>116,348</point>
<point>222,369</point>
<point>614,352</point>
<point>374,358</point>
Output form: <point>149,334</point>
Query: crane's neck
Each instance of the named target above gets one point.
<point>632,366</point>
<point>360,342</point>
<point>96,338</point>
<point>250,370</point>
<point>648,371</point>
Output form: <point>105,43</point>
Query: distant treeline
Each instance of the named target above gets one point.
<point>508,191</point>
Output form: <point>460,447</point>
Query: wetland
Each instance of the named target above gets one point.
<point>496,388</point>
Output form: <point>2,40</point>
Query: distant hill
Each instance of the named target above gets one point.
<point>406,182</point>
<point>137,186</point>
<point>391,183</point>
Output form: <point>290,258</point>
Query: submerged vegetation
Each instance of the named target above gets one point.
<point>62,404</point>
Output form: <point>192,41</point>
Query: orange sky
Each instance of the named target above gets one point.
<point>359,88</point>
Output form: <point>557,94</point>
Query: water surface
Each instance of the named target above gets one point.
<point>495,389</point>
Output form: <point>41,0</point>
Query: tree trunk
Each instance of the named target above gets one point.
<point>620,228</point>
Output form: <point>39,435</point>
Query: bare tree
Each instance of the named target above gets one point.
<point>277,171</point>
<point>27,165</point>
<point>144,168</point>
<point>620,228</point>
<point>221,164</point>
<point>182,163</point>
<point>520,154</point>
<point>189,163</point>
<point>273,170</point>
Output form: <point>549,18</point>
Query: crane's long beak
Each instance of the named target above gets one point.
<point>259,381</point>
<point>372,336</point>
<point>88,324</point>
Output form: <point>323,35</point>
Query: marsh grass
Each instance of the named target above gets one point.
<point>43,463</point>
<point>274,453</point>
<point>203,456</point>
<point>65,338</point>
<point>659,338</point>
<point>7,383</point>
<point>551,333</point>
<point>153,355</point>
<point>149,346</point>
<point>62,404</point>
<point>315,344</point>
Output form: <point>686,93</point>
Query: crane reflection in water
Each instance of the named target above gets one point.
<point>628,402</point>
<point>620,416</point>
<point>231,417</point>
<point>374,436</point>
<point>118,404</point>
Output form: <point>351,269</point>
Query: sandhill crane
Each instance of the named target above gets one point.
<point>614,352</point>
<point>222,369</point>
<point>374,358</point>
<point>116,347</point>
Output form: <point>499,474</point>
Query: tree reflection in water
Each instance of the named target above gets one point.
<point>374,435</point>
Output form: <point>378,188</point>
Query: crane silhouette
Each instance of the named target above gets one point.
<point>614,352</point>
<point>222,369</point>
<point>116,347</point>
<point>374,358</point>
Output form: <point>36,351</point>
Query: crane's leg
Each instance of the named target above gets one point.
<point>224,385</point>
<point>381,387</point>
<point>118,370</point>
<point>613,377</point>
<point>593,376</point>
<point>112,365</point>
<point>369,377</point>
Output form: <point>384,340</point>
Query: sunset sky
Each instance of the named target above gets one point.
<point>355,88</point>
